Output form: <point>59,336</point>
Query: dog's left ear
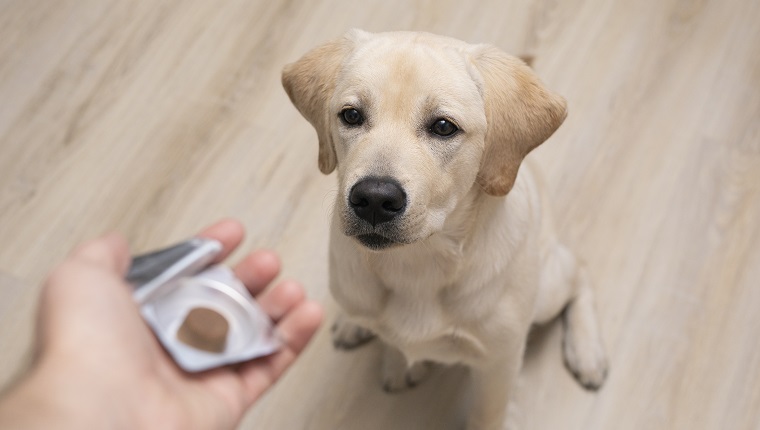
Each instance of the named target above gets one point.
<point>521,115</point>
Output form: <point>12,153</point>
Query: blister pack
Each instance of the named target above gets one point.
<point>201,313</point>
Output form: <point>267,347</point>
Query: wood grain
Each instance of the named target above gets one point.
<point>155,118</point>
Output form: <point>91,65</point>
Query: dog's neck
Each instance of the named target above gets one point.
<point>441,254</point>
<point>458,229</point>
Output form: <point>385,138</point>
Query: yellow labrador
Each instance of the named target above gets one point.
<point>439,246</point>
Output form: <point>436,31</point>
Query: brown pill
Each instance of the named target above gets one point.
<point>204,329</point>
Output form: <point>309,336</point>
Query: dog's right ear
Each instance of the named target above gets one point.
<point>310,83</point>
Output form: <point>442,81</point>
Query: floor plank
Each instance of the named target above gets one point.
<point>155,118</point>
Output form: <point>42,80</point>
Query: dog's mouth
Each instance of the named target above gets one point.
<point>375,241</point>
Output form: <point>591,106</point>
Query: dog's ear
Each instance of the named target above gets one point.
<point>521,114</point>
<point>310,82</point>
<point>527,59</point>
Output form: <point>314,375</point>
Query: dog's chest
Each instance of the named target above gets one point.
<point>425,328</point>
<point>422,320</point>
<point>413,316</point>
<point>416,301</point>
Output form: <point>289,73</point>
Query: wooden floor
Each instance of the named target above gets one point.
<point>155,118</point>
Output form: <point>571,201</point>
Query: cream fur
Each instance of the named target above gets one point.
<point>472,270</point>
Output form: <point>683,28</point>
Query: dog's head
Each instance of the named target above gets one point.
<point>412,121</point>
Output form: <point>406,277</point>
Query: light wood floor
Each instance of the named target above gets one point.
<point>157,117</point>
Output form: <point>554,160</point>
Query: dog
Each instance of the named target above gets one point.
<point>441,243</point>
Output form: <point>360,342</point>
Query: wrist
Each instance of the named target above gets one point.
<point>54,398</point>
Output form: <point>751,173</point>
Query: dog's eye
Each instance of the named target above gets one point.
<point>443,127</point>
<point>351,116</point>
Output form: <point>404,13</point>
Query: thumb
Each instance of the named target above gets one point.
<point>110,252</point>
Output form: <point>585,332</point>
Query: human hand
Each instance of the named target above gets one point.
<point>100,366</point>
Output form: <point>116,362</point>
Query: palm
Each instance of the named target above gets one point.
<point>88,312</point>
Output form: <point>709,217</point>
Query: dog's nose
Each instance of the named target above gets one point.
<point>377,200</point>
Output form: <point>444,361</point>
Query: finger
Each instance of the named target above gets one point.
<point>296,329</point>
<point>110,251</point>
<point>257,270</point>
<point>298,326</point>
<point>281,299</point>
<point>228,232</point>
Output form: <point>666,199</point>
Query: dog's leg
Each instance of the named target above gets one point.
<point>398,375</point>
<point>493,385</point>
<point>582,344</point>
<point>347,335</point>
<point>565,285</point>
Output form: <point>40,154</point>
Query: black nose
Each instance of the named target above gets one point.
<point>377,200</point>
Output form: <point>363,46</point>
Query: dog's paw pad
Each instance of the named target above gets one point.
<point>349,336</point>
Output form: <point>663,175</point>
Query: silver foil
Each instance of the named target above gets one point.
<point>171,283</point>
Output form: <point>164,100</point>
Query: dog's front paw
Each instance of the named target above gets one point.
<point>586,359</point>
<point>398,376</point>
<point>346,335</point>
<point>396,382</point>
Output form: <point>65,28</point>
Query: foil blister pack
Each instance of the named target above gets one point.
<point>201,313</point>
